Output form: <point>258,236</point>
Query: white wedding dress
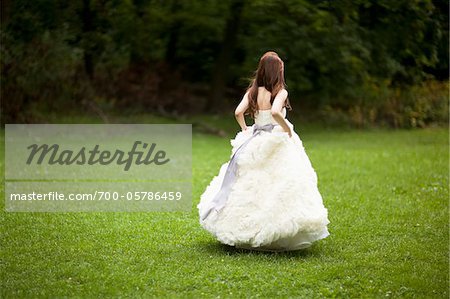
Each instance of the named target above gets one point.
<point>274,203</point>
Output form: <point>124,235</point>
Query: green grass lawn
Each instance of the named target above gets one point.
<point>387,197</point>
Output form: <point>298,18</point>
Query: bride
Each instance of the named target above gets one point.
<point>266,196</point>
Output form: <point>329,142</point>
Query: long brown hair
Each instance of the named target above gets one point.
<point>270,74</point>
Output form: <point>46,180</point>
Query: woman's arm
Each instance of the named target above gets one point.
<point>277,105</point>
<point>240,110</point>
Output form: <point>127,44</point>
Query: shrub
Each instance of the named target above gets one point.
<point>418,106</point>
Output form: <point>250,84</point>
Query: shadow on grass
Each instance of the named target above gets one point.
<point>216,248</point>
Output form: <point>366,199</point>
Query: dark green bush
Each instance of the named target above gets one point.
<point>422,105</point>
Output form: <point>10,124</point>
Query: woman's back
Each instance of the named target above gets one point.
<point>264,114</point>
<point>264,97</point>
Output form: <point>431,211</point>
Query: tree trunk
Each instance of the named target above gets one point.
<point>86,17</point>
<point>174,32</point>
<point>220,71</point>
<point>5,6</point>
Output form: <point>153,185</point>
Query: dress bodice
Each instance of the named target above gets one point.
<point>264,117</point>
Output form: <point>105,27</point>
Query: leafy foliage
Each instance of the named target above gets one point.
<point>178,57</point>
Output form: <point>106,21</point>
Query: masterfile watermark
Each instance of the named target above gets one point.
<point>98,167</point>
<point>54,155</point>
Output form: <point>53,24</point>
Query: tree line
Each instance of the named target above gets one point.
<point>366,60</point>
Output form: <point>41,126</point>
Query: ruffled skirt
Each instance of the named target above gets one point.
<point>274,203</point>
